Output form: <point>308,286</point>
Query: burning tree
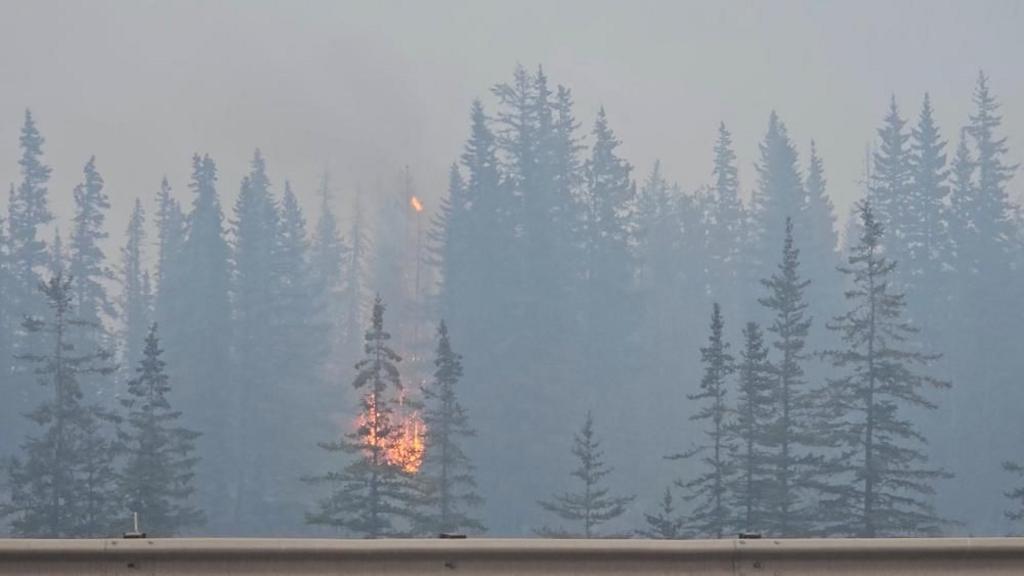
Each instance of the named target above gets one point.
<point>374,494</point>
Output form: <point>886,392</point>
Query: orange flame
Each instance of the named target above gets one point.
<point>404,449</point>
<point>416,204</point>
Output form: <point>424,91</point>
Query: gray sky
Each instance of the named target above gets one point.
<point>362,88</point>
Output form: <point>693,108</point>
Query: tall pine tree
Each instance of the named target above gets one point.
<point>371,496</point>
<point>198,343</point>
<point>729,226</point>
<point>157,481</point>
<point>712,513</point>
<point>171,232</point>
<point>890,188</point>
<point>819,242</point>
<point>754,486</point>
<point>64,483</point>
<point>28,213</point>
<point>879,481</point>
<point>779,195</point>
<point>256,371</point>
<point>447,474</point>
<point>609,288</point>
<point>791,434</point>
<point>929,245</point>
<point>328,255</point>
<point>88,264</point>
<point>136,310</point>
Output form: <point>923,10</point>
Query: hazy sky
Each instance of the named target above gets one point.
<point>362,88</point>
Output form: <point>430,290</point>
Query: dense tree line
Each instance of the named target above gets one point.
<point>567,281</point>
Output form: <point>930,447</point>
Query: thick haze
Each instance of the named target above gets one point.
<point>572,277</point>
<point>363,88</point>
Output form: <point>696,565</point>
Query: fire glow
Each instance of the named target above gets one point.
<point>416,204</point>
<point>404,448</point>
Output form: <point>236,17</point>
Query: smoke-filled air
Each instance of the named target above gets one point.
<point>590,269</point>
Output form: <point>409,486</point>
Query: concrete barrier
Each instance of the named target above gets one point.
<point>199,556</point>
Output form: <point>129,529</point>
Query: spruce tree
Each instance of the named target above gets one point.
<point>135,305</point>
<point>754,487</point>
<point>928,241</point>
<point>477,300</point>
<point>593,504</point>
<point>610,259</point>
<point>88,264</point>
<point>666,523</point>
<point>197,343</point>
<point>988,287</point>
<point>28,214</point>
<point>256,344</point>
<point>64,484</point>
<point>879,481</point>
<point>819,242</point>
<point>728,217</point>
<point>353,290</point>
<point>661,282</point>
<point>157,481</point>
<point>985,216</point>
<point>371,496</point>
<point>448,242</point>
<point>791,433</point>
<point>962,226</point>
<point>302,333</point>
<point>991,208</point>
<point>328,254</point>
<point>550,220</point>
<point>780,195</point>
<point>479,226</point>
<point>58,256</point>
<point>709,490</point>
<point>447,474</point>
<point>171,231</point>
<point>299,352</point>
<point>890,188</point>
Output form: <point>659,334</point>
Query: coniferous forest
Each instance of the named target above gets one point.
<point>567,345</point>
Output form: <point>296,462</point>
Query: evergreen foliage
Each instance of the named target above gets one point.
<point>135,302</point>
<point>879,481</point>
<point>593,504</point>
<point>890,189</point>
<point>370,496</point>
<point>157,481</point>
<point>28,212</point>
<point>198,340</point>
<point>447,474</point>
<point>64,483</point>
<point>726,246</point>
<point>792,432</point>
<point>712,515</point>
<point>754,488</point>
<point>88,264</point>
<point>780,194</point>
<point>666,523</point>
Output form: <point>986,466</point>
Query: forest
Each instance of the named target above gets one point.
<point>568,345</point>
